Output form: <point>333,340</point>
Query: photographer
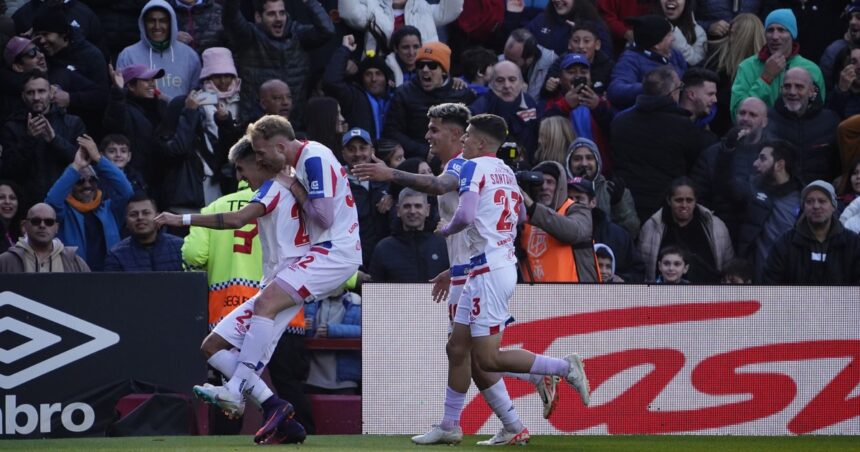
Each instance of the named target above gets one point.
<point>575,98</point>
<point>557,238</point>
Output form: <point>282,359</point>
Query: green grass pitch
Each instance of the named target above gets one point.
<point>361,443</point>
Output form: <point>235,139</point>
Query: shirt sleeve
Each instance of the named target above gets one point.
<point>268,195</point>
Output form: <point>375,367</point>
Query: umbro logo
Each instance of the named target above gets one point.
<point>24,324</point>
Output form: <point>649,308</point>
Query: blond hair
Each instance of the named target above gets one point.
<point>554,136</point>
<point>745,38</point>
<point>270,126</point>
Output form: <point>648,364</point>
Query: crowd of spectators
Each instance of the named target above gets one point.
<point>709,137</point>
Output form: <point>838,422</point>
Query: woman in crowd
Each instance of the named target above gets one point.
<point>683,223</point>
<point>325,124</point>
<point>554,136</point>
<point>745,38</point>
<point>405,43</point>
<point>690,38</point>
<point>390,152</point>
<point>849,194</point>
<point>11,214</point>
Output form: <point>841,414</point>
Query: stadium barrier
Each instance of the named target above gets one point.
<point>73,345</point>
<point>719,360</point>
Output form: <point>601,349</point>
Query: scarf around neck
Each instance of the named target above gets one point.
<point>85,207</point>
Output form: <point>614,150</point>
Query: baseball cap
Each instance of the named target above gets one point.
<point>139,71</point>
<point>14,47</point>
<point>574,58</point>
<point>356,132</point>
<point>581,185</point>
<point>852,7</point>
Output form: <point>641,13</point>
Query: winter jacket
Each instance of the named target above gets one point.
<point>30,161</point>
<point>110,213</point>
<point>348,362</point>
<point>202,21</point>
<point>830,60</point>
<point>118,18</point>
<point>627,263</point>
<point>408,256</point>
<point>379,16</point>
<point>799,258</point>
<point>844,103</point>
<point>653,231</point>
<point>850,217</point>
<point>623,212</point>
<point>165,255</point>
<point>13,260</point>
<point>814,133</point>
<point>554,36</point>
<point>710,11</point>
<point>536,74</point>
<point>521,116</point>
<point>181,63</point>
<point>654,143</point>
<point>82,56</point>
<point>352,98</point>
<point>573,228</point>
<point>748,81</point>
<point>80,17</point>
<point>630,71</point>
<point>138,119</point>
<point>259,57</point>
<point>693,53</point>
<point>406,121</point>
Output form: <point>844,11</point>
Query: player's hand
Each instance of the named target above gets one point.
<point>322,331</point>
<point>384,204</point>
<point>441,283</point>
<point>377,171</point>
<point>169,219</point>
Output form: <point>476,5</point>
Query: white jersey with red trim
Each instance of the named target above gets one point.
<point>491,236</point>
<point>322,175</point>
<point>283,237</point>
<point>458,246</point>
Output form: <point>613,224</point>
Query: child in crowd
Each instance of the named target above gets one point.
<point>738,271</point>
<point>672,266</point>
<point>606,263</point>
<point>337,316</point>
<point>117,148</point>
<point>390,152</point>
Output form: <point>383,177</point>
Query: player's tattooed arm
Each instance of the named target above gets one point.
<point>426,183</point>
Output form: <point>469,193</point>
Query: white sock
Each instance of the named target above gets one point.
<point>225,361</point>
<point>257,340</point>
<point>531,378</point>
<point>498,399</point>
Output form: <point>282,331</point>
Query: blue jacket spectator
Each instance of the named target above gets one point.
<point>87,219</point>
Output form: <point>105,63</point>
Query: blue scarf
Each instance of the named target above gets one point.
<point>580,119</point>
<point>379,106</point>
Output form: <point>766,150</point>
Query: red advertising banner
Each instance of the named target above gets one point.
<point>737,360</point>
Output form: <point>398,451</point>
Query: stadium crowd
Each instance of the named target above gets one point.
<point>667,141</point>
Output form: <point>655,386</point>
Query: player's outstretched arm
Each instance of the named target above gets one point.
<point>227,220</point>
<point>380,172</point>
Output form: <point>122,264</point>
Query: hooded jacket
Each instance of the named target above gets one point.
<point>259,57</point>
<point>623,212</point>
<point>571,228</point>
<point>15,259</point>
<point>181,63</point>
<point>615,278</point>
<point>814,133</point>
<point>628,264</point>
<point>748,81</point>
<point>799,258</point>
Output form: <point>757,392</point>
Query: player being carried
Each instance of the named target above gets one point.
<point>447,124</point>
<point>333,255</point>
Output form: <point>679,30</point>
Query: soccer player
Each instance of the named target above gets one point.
<point>282,239</point>
<point>447,124</point>
<point>490,206</point>
<point>321,188</point>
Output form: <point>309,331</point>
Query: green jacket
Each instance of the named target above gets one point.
<point>748,81</point>
<point>232,259</point>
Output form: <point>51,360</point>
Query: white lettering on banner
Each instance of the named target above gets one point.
<point>41,339</point>
<point>704,360</point>
<point>12,412</point>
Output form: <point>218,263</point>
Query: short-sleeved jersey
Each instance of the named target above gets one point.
<point>458,246</point>
<point>491,236</point>
<point>322,175</point>
<point>283,237</point>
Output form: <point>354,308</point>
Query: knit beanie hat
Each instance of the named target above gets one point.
<point>375,62</point>
<point>784,17</point>
<point>438,52</point>
<point>217,61</point>
<point>649,30</point>
<point>822,186</point>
